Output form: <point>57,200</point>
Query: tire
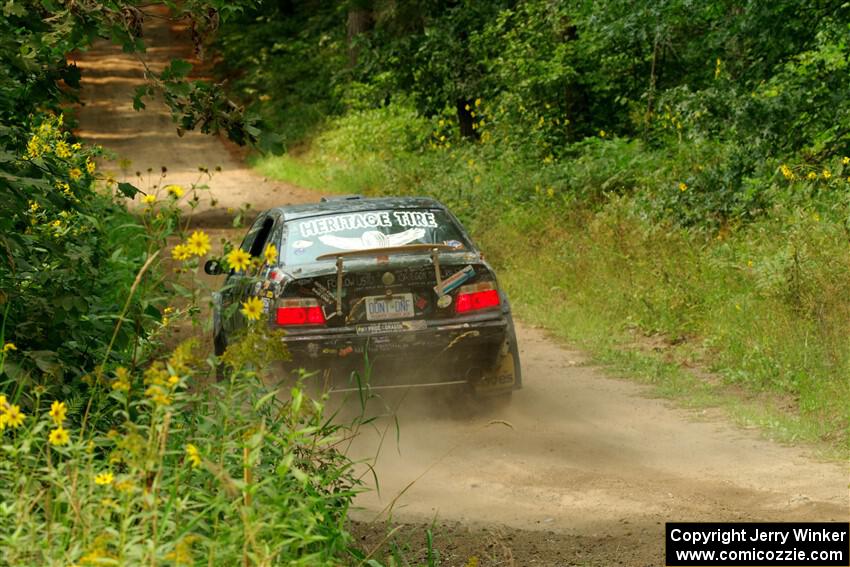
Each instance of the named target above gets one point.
<point>507,364</point>
<point>514,349</point>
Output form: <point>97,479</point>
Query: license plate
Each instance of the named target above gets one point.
<point>382,308</point>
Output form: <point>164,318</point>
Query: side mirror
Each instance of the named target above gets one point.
<point>213,268</point>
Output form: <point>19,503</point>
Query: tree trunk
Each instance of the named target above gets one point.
<point>359,21</point>
<point>465,118</point>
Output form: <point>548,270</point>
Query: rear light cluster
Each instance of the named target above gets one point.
<point>299,312</point>
<point>476,297</point>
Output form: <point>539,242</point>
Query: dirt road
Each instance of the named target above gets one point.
<point>588,470</point>
<point>144,142</point>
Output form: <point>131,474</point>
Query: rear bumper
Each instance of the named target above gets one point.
<point>427,353</point>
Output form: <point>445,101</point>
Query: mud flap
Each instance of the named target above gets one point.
<point>501,378</point>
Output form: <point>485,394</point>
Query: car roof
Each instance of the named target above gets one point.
<point>355,204</point>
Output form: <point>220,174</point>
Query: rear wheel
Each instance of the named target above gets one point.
<point>497,384</point>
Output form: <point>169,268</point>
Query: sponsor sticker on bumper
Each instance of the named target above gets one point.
<point>391,327</point>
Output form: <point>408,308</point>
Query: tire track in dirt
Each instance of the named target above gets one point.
<point>586,458</point>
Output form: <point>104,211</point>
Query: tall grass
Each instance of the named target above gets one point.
<point>194,473</point>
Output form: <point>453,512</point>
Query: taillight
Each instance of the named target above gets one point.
<point>476,297</point>
<point>294,312</point>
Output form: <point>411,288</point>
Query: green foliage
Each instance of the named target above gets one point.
<point>70,255</point>
<point>193,472</point>
<point>719,96</point>
<point>285,56</point>
<point>71,251</point>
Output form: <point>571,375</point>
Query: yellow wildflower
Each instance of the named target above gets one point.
<point>786,171</point>
<point>158,395</point>
<point>253,308</point>
<point>199,243</point>
<point>62,149</point>
<point>477,102</point>
<point>182,554</point>
<point>149,199</point>
<point>76,147</point>
<point>683,186</point>
<point>9,346</point>
<point>59,436</point>
<point>75,173</point>
<point>181,252</point>
<point>845,160</point>
<point>173,380</point>
<point>13,416</point>
<point>602,133</point>
<point>193,455</point>
<point>271,254</point>
<point>104,478</point>
<point>550,192</point>
<point>826,174</point>
<point>238,259</point>
<point>175,191</point>
<point>57,412</point>
<point>812,175</point>
<point>35,147</point>
<point>90,166</point>
<point>122,380</point>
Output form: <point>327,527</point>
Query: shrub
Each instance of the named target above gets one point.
<point>233,472</point>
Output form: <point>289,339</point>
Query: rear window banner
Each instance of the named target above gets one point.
<point>312,237</point>
<point>418,219</point>
<point>373,239</point>
<point>353,221</point>
<point>300,246</point>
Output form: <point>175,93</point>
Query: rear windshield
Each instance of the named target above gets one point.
<point>309,238</point>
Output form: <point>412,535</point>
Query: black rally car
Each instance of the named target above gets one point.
<point>397,280</point>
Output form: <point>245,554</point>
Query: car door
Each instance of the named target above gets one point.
<point>239,285</point>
